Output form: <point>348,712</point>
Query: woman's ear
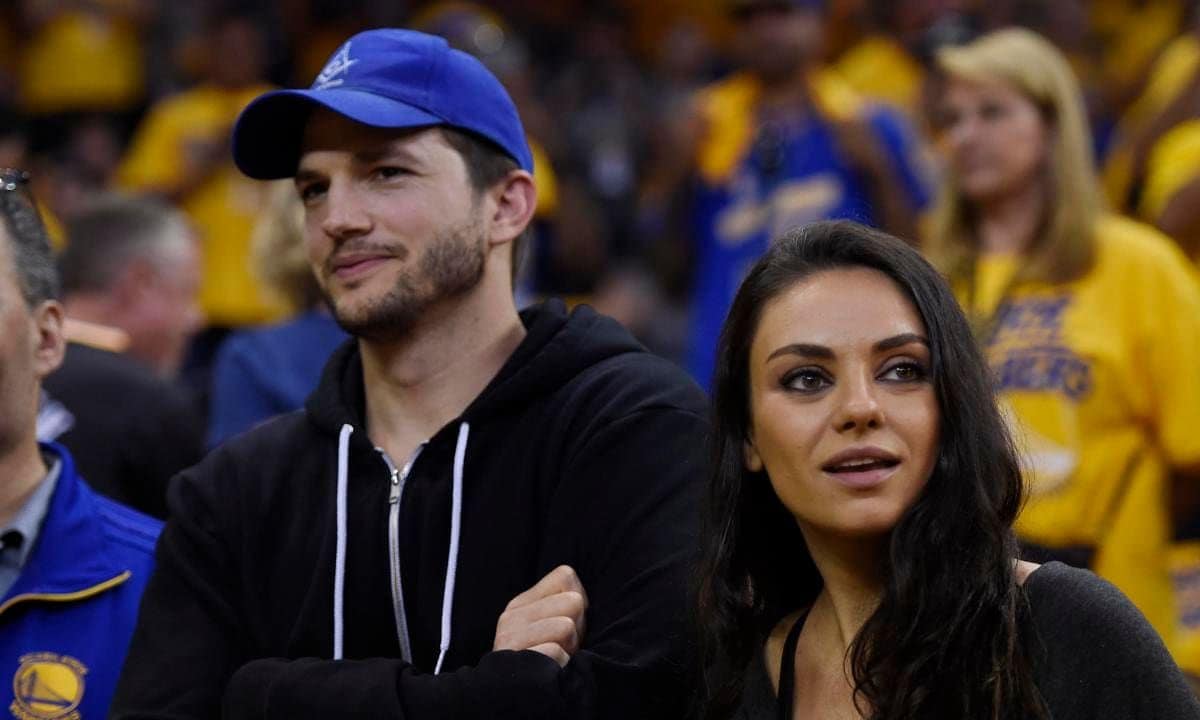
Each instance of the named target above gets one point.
<point>750,455</point>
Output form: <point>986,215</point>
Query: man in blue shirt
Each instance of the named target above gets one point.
<point>781,143</point>
<point>72,564</point>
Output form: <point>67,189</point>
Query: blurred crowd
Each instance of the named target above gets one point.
<point>671,140</point>
<point>138,96</point>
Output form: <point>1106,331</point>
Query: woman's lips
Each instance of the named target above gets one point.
<point>869,476</point>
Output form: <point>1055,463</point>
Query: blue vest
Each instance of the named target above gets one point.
<point>66,622</point>
<point>798,176</point>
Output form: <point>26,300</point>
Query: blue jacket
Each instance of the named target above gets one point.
<point>66,622</point>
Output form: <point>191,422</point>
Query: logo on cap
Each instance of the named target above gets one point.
<point>339,64</point>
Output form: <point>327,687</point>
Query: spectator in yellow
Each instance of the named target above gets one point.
<point>83,55</point>
<point>181,152</point>
<point>1091,322</point>
<point>1165,96</point>
<point>882,65</point>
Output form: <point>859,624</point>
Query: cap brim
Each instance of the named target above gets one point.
<point>268,135</point>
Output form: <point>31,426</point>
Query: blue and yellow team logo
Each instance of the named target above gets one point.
<point>47,686</point>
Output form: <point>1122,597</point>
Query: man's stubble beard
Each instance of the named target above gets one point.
<point>451,267</point>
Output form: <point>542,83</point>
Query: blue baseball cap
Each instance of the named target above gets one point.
<point>387,79</point>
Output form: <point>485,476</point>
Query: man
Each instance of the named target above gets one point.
<point>72,564</point>
<point>479,513</point>
<point>130,276</point>
<point>783,142</point>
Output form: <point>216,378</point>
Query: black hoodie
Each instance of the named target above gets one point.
<point>584,450</point>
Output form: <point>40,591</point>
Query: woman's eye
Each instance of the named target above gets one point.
<point>993,111</point>
<point>805,381</point>
<point>905,372</point>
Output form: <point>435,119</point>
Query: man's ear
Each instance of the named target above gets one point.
<point>750,455</point>
<point>515,199</point>
<point>49,343</point>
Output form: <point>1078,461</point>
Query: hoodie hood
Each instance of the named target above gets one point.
<point>558,345</point>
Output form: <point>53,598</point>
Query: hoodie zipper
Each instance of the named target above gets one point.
<point>397,478</point>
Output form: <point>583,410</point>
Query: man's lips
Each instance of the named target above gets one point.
<point>354,266</point>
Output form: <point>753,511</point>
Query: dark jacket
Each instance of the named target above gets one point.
<point>584,450</point>
<point>66,621</point>
<point>129,430</point>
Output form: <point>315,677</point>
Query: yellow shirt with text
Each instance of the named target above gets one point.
<point>224,207</point>
<point>1100,379</point>
<point>1168,78</point>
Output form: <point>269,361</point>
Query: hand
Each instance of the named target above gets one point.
<point>547,618</point>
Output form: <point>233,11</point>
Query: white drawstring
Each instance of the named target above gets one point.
<point>339,567</point>
<point>460,454</point>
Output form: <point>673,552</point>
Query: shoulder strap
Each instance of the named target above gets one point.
<point>787,670</point>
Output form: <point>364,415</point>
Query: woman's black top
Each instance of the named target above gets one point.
<point>1097,658</point>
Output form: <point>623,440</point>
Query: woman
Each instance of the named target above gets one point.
<point>270,370</point>
<point>859,560</point>
<point>1091,322</point>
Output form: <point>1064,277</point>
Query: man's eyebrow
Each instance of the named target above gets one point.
<point>900,340</point>
<point>803,350</point>
<point>366,156</point>
<point>303,175</point>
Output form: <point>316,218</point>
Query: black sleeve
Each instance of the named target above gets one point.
<point>503,685</point>
<point>1096,655</point>
<point>631,509</point>
<point>185,644</point>
<point>168,438</point>
<point>626,518</point>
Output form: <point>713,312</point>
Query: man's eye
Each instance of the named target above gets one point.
<point>388,172</point>
<point>310,191</point>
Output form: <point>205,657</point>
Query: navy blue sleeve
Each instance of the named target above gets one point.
<point>239,400</point>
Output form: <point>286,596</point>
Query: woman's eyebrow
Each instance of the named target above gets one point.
<point>824,353</point>
<point>900,340</point>
<point>803,350</point>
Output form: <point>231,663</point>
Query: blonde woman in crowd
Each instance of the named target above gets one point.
<point>1091,322</point>
<point>264,372</point>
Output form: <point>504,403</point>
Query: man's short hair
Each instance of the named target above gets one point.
<point>109,233</point>
<point>33,259</point>
<point>487,164</point>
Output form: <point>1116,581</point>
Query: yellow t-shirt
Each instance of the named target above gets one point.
<point>546,180</point>
<point>224,208</point>
<point>880,68</point>
<point>1174,162</point>
<point>1100,379</point>
<point>1168,78</point>
<point>1132,33</point>
<point>82,61</point>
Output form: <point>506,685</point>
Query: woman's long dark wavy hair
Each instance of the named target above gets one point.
<point>948,639</point>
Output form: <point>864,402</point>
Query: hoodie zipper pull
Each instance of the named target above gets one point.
<point>394,492</point>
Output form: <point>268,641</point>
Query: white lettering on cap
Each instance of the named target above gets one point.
<point>338,65</point>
